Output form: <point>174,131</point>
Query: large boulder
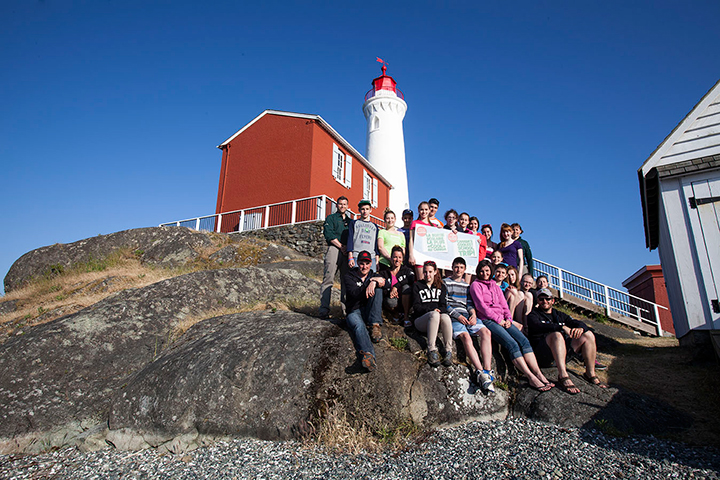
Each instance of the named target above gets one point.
<point>163,246</point>
<point>65,372</point>
<point>269,374</point>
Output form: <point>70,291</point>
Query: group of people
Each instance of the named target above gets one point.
<point>501,301</point>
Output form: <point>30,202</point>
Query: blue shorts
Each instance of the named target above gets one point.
<point>459,328</point>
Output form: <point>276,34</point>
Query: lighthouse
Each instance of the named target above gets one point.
<point>384,110</point>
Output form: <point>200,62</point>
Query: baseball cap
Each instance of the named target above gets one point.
<point>364,257</point>
<point>364,201</point>
<point>544,292</point>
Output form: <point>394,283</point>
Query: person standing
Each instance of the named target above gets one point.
<point>434,204</point>
<point>362,235</point>
<point>527,253</point>
<point>335,230</point>
<point>389,238</point>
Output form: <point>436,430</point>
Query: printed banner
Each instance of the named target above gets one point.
<point>442,246</point>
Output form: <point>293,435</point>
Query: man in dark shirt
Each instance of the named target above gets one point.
<point>335,230</point>
<point>364,298</point>
<point>553,333</point>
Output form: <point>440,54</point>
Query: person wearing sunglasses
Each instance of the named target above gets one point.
<point>553,334</point>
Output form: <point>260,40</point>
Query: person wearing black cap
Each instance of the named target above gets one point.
<point>553,333</point>
<point>363,302</point>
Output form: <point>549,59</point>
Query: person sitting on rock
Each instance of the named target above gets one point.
<point>465,324</point>
<point>493,311</point>
<point>364,306</point>
<point>430,311</point>
<point>399,280</point>
<point>554,333</point>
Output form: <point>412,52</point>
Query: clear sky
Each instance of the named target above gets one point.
<point>533,112</point>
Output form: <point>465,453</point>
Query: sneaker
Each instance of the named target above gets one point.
<point>433,358</point>
<point>323,314</point>
<point>375,333</point>
<point>600,366</point>
<point>447,359</point>
<point>408,323</point>
<point>368,361</point>
<point>487,377</point>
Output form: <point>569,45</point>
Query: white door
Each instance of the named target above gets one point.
<point>704,203</point>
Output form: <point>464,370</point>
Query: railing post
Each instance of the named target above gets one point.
<point>607,301</point>
<point>267,216</point>
<point>658,327</point>
<point>219,223</point>
<point>560,281</point>
<point>242,221</point>
<point>197,224</point>
<point>294,209</point>
<point>322,209</point>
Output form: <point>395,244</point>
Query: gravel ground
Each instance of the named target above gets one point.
<point>513,448</point>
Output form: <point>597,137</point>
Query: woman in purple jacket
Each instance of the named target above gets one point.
<point>493,310</point>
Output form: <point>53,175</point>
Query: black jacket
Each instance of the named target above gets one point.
<point>405,276</point>
<point>540,323</point>
<point>355,288</point>
<point>426,299</point>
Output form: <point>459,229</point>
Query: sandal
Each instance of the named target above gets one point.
<point>568,386</point>
<point>542,389</point>
<point>594,380</point>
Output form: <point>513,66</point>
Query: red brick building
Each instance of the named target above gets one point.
<point>283,156</point>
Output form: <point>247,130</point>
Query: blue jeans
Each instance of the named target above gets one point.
<point>358,319</point>
<point>511,338</point>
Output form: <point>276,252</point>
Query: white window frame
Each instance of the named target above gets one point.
<point>341,167</point>
<point>374,192</point>
<point>367,186</point>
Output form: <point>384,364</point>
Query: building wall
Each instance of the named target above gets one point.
<point>679,258</point>
<point>323,182</point>
<point>268,163</point>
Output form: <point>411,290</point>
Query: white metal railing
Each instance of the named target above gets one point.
<point>611,299</point>
<point>310,209</point>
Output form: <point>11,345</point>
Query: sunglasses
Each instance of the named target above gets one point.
<point>546,299</point>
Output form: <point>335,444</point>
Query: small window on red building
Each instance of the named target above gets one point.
<point>342,167</point>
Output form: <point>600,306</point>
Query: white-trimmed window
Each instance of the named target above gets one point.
<point>367,186</point>
<point>370,189</point>
<point>341,167</point>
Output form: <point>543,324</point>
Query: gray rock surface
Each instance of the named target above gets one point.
<point>267,375</point>
<point>164,246</point>
<point>620,410</point>
<point>64,372</point>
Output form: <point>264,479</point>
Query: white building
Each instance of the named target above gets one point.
<point>680,191</point>
<point>384,110</point>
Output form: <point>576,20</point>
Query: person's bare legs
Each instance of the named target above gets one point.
<point>532,363</point>
<point>535,382</point>
<point>556,342</point>
<point>486,348</point>
<point>470,350</point>
<point>588,347</point>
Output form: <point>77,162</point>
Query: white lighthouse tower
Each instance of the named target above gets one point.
<point>384,110</point>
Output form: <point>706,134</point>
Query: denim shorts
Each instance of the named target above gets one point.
<point>459,328</point>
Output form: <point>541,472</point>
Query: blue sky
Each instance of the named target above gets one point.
<point>531,112</point>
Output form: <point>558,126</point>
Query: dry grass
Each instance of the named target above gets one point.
<point>64,291</point>
<point>335,432</point>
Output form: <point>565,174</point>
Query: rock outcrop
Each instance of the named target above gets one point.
<point>219,352</point>
<point>164,246</point>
